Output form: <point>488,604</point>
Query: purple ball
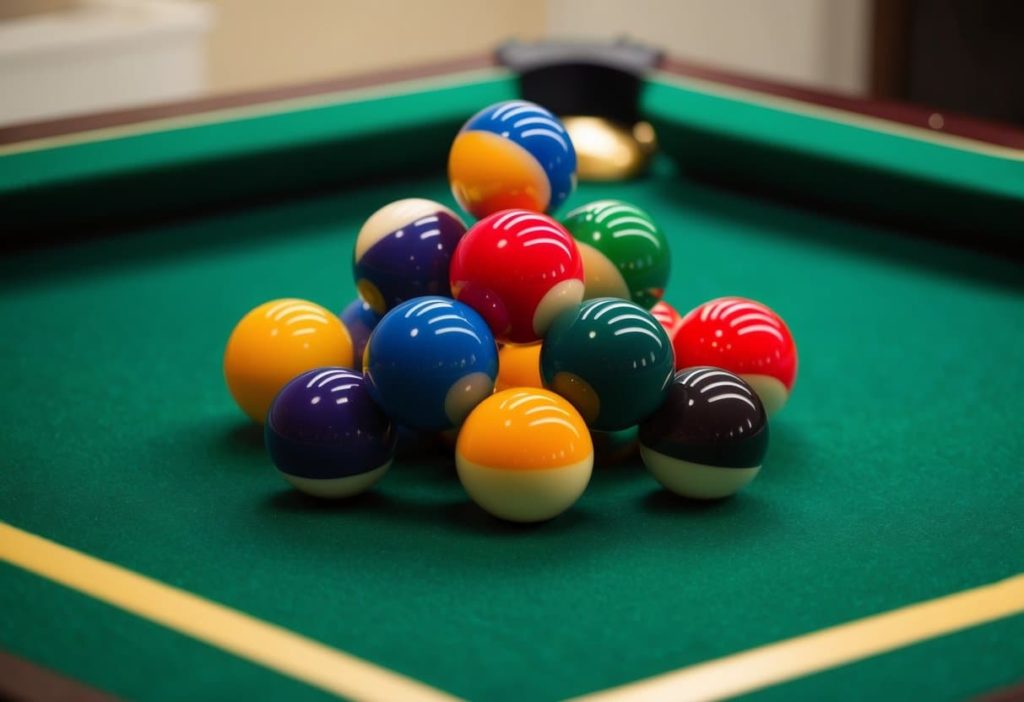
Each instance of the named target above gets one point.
<point>326,435</point>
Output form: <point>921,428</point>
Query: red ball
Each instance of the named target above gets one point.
<point>668,318</point>
<point>519,270</point>
<point>744,337</point>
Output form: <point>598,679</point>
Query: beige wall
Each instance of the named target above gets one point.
<point>262,43</point>
<point>820,43</point>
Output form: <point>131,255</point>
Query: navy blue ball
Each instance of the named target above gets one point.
<point>404,251</point>
<point>326,436</point>
<point>430,361</point>
<point>360,320</point>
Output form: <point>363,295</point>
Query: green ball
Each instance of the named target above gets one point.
<point>611,359</point>
<point>625,254</point>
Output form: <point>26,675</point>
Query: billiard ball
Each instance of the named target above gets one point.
<point>611,359</point>
<point>519,270</point>
<point>708,439</point>
<point>275,342</point>
<point>512,155</point>
<point>403,251</point>
<point>624,252</point>
<point>745,337</point>
<point>429,361</point>
<point>667,317</point>
<point>326,436</point>
<point>360,319</point>
<point>519,367</point>
<point>524,455</point>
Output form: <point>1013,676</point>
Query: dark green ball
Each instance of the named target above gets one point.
<point>624,252</point>
<point>611,359</point>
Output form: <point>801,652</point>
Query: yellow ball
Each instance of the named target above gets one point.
<point>519,367</point>
<point>276,342</point>
<point>524,454</point>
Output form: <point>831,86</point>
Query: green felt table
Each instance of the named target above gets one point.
<point>894,476</point>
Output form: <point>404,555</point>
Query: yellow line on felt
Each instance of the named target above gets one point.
<point>794,658</point>
<point>245,636</point>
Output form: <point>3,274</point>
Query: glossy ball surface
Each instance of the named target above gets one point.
<point>519,270</point>
<point>625,254</point>
<point>668,318</point>
<point>275,342</point>
<point>518,367</point>
<point>524,455</point>
<point>512,154</point>
<point>708,439</point>
<point>745,337</point>
<point>403,251</point>
<point>326,436</point>
<point>429,362</point>
<point>611,359</point>
<point>360,320</point>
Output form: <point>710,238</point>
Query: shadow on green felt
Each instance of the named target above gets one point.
<point>408,499</point>
<point>466,516</point>
<point>987,261</point>
<point>235,442</point>
<point>292,501</point>
<point>325,213</point>
<point>246,437</point>
<point>661,501</point>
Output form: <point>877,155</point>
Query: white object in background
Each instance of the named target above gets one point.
<point>102,55</point>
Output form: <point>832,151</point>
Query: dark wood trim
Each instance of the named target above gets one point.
<point>119,118</point>
<point>903,113</point>
<point>890,48</point>
<point>1013,693</point>
<point>891,110</point>
<point>26,682</point>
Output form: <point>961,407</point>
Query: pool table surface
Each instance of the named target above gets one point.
<point>149,550</point>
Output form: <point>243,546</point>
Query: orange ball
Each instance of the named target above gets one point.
<point>277,341</point>
<point>519,367</point>
<point>524,454</point>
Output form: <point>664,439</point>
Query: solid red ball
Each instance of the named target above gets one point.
<point>745,337</point>
<point>519,270</point>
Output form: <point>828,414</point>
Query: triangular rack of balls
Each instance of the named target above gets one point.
<point>529,336</point>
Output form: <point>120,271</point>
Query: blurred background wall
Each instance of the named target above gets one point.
<point>67,56</point>
<point>60,57</point>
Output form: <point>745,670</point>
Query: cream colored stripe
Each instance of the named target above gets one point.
<point>835,114</point>
<point>262,109</point>
<point>828,648</point>
<point>246,637</point>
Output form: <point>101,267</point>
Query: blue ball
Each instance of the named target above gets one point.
<point>403,251</point>
<point>541,134</point>
<point>514,136</point>
<point>430,361</point>
<point>326,435</point>
<point>360,319</point>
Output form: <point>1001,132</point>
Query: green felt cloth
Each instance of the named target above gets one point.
<point>894,475</point>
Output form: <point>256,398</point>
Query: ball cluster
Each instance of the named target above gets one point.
<point>526,340</point>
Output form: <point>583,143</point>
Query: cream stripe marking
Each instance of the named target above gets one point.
<point>245,636</point>
<point>780,662</point>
